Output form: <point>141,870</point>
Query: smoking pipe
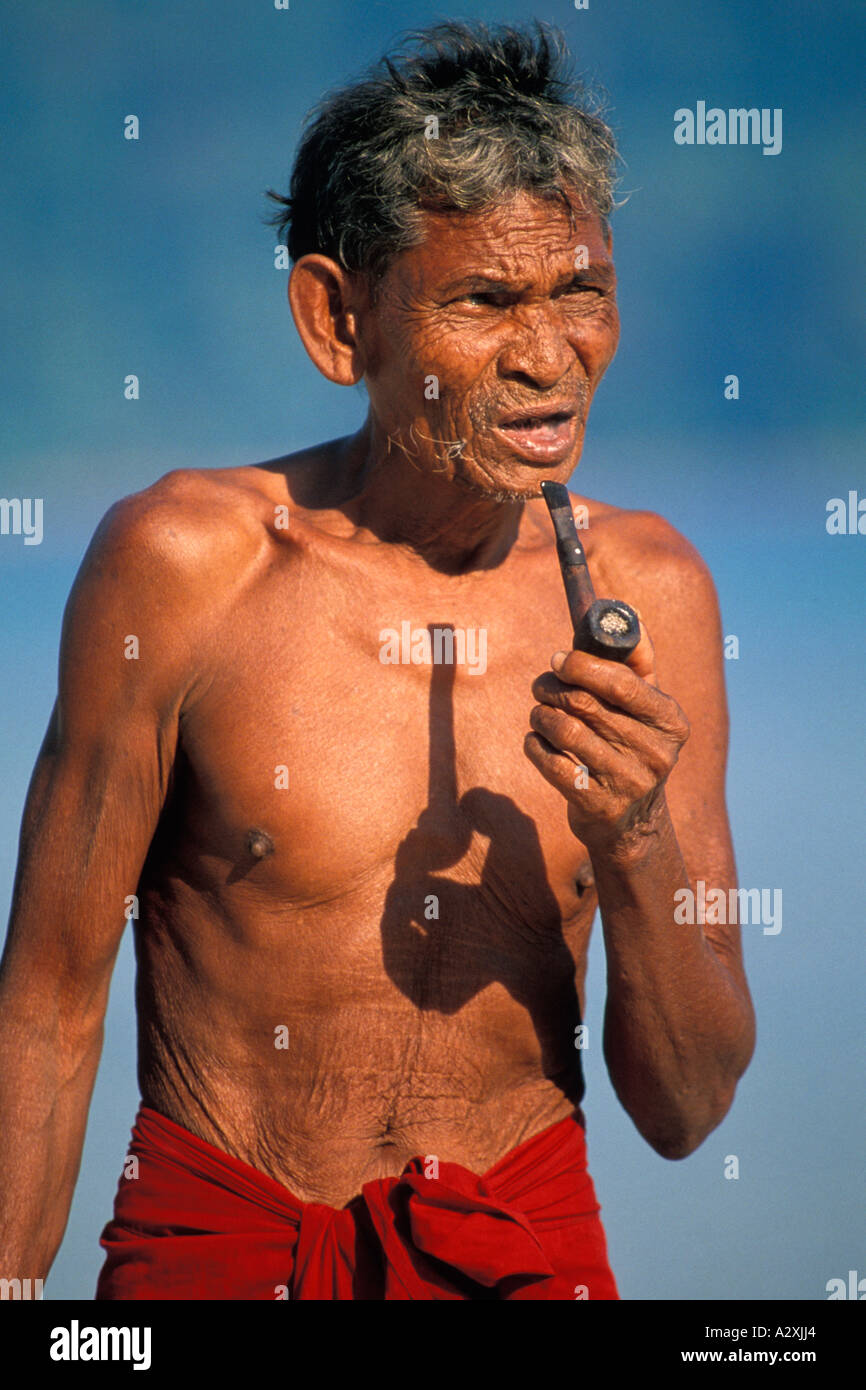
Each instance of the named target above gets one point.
<point>603,626</point>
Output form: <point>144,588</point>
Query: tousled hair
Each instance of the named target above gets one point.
<point>510,118</point>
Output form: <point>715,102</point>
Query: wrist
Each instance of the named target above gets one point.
<point>632,843</point>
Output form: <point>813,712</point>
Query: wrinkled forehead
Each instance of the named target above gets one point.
<point>525,238</point>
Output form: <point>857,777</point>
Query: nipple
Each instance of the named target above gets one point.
<point>585,877</point>
<point>259,844</point>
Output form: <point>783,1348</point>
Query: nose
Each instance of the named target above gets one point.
<point>537,351</point>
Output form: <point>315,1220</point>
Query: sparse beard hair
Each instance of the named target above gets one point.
<point>496,494</point>
<point>455,451</point>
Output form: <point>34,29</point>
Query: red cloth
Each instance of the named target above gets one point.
<point>198,1224</point>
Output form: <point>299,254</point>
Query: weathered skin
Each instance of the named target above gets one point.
<point>259,648</point>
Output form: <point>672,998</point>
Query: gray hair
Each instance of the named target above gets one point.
<point>462,123</point>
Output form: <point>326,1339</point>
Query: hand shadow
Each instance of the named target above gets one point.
<point>443,940</point>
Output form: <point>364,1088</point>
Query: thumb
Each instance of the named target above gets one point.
<point>643,659</point>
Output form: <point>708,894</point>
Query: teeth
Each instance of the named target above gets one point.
<point>536,422</point>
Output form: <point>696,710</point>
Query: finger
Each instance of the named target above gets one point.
<point>611,682</point>
<point>570,736</point>
<point>601,737</point>
<point>615,685</point>
<point>560,770</point>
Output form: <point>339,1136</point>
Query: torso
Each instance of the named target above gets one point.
<point>400,971</point>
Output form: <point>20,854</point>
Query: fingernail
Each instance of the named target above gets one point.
<point>557,660</point>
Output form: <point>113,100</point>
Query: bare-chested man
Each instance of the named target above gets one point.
<point>366,878</point>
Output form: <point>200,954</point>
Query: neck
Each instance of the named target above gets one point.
<point>424,504</point>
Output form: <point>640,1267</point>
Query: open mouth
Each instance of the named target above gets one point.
<point>531,422</point>
<point>544,436</point>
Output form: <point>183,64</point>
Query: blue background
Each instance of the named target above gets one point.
<point>151,257</point>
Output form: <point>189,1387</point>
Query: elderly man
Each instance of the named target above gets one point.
<point>310,739</point>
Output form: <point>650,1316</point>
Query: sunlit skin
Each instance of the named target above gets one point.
<point>522,329</point>
<point>264,906</point>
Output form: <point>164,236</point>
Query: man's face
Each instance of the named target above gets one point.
<point>510,315</point>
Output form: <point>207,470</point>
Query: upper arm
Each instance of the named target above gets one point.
<point>674,590</point>
<point>102,773</point>
<point>679,605</point>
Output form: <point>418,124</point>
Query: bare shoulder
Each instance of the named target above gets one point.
<point>191,527</point>
<point>162,569</point>
<point>640,557</point>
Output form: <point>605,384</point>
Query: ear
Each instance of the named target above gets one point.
<point>321,295</point>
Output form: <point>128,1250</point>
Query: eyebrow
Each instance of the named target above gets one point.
<point>480,282</point>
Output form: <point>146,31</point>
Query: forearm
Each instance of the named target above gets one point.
<point>46,1080</point>
<point>679,1027</point>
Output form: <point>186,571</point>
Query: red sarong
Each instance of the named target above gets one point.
<point>198,1224</point>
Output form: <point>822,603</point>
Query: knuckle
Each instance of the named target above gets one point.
<point>679,727</point>
<point>620,684</point>
<point>561,725</point>
<point>631,683</point>
<point>579,702</point>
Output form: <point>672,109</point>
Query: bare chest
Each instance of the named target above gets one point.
<point>366,730</point>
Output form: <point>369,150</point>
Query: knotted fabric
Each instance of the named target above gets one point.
<point>196,1223</point>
